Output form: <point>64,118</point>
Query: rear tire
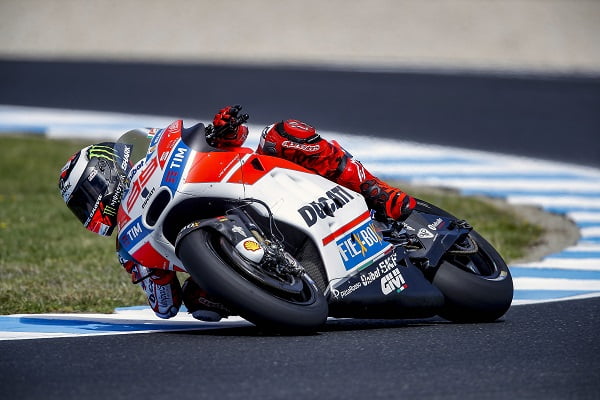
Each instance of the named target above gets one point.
<point>477,287</point>
<point>209,258</point>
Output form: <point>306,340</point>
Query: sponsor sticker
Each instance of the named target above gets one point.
<point>174,167</point>
<point>424,234</point>
<point>239,230</point>
<point>333,199</point>
<point>341,293</point>
<point>367,278</point>
<point>140,183</point>
<point>251,250</point>
<point>360,245</point>
<point>384,272</point>
<point>435,225</point>
<point>393,281</point>
<point>379,270</point>
<point>251,245</point>
<point>133,234</point>
<point>309,148</point>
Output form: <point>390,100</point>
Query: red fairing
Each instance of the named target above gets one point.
<point>122,218</point>
<point>168,140</point>
<point>149,257</point>
<point>249,174</point>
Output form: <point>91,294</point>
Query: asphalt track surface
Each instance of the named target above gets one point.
<point>545,351</point>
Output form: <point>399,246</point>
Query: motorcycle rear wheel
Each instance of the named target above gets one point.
<point>210,259</point>
<point>477,287</point>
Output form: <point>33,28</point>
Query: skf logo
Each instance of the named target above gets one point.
<point>251,245</point>
<point>336,198</point>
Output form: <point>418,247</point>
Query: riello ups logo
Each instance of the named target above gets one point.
<point>325,206</point>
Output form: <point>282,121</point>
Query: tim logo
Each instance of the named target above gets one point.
<point>175,166</point>
<point>133,234</point>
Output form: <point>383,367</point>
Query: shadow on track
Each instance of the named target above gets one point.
<point>332,326</point>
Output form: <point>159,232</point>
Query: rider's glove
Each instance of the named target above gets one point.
<point>227,123</point>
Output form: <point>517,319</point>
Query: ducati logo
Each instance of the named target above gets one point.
<point>336,198</point>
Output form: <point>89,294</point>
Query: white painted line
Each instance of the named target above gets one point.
<point>589,232</point>
<point>556,284</point>
<point>553,300</point>
<point>574,264</point>
<point>556,201</point>
<point>584,247</point>
<point>584,216</point>
<point>563,185</point>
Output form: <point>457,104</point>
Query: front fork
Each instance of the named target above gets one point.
<point>249,240</point>
<point>275,259</point>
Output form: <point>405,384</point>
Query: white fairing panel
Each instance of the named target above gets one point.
<point>336,218</point>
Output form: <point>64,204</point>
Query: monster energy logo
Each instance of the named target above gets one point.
<point>111,211</point>
<point>100,151</point>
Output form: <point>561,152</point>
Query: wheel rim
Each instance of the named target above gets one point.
<point>479,263</point>
<point>297,290</point>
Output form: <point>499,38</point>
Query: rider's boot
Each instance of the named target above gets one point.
<point>381,197</point>
<point>201,305</point>
<point>161,287</point>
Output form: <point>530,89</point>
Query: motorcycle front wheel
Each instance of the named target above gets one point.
<point>477,287</point>
<point>290,304</point>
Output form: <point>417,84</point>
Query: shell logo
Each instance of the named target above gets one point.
<point>251,245</point>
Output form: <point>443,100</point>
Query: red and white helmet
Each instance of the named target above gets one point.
<point>92,183</point>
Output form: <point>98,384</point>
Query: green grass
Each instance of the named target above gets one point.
<point>50,263</point>
<point>508,233</point>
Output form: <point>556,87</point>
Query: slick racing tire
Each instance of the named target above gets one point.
<point>216,266</point>
<point>477,287</point>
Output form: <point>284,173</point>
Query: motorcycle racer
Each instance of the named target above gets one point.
<point>92,185</point>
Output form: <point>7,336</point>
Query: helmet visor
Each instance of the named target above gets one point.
<point>88,194</point>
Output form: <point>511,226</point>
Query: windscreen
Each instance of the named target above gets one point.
<point>137,142</point>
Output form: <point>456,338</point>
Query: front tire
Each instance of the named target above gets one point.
<point>211,261</point>
<point>477,287</point>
